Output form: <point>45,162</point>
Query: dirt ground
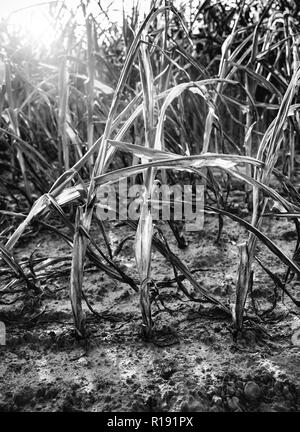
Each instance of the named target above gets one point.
<point>193,364</point>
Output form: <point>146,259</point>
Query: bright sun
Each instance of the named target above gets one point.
<point>30,18</point>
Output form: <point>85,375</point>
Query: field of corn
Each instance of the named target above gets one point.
<point>144,314</point>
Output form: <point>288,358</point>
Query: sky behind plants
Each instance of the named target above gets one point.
<point>32,17</point>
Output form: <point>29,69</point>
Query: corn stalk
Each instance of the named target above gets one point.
<point>80,242</point>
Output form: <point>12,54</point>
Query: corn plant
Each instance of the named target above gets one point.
<point>218,113</point>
